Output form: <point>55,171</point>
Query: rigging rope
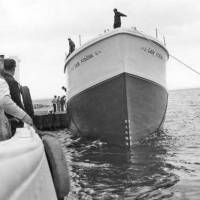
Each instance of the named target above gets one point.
<point>192,69</point>
<point>185,64</point>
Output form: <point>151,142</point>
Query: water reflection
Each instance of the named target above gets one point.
<point>103,172</point>
<point>166,166</point>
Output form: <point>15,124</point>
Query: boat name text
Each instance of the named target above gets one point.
<point>85,59</point>
<point>152,52</point>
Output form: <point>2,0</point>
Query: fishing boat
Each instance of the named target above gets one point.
<point>117,87</point>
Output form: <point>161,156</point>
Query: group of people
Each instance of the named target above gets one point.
<point>59,103</point>
<point>117,24</point>
<point>12,114</point>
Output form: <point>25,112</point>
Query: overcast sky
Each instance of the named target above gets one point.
<point>37,30</point>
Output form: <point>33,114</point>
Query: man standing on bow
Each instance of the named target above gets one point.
<point>71,46</point>
<point>117,18</point>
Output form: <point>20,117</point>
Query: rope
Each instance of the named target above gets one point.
<point>192,69</point>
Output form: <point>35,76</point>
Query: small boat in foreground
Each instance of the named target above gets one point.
<point>117,87</point>
<point>24,170</point>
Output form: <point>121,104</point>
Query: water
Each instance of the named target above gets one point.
<point>164,166</point>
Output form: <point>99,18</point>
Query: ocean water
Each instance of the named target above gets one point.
<point>163,166</point>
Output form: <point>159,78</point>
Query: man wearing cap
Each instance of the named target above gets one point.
<point>117,18</point>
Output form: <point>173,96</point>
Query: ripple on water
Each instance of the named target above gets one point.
<point>163,166</point>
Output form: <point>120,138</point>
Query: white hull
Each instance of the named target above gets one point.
<point>115,53</point>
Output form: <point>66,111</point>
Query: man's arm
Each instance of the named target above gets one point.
<point>9,106</point>
<point>12,109</point>
<point>123,15</point>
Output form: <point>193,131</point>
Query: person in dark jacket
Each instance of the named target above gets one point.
<point>71,46</point>
<point>117,18</point>
<point>14,87</point>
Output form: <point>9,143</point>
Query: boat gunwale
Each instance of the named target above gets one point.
<point>112,34</point>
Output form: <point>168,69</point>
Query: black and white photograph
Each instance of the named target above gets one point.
<point>99,100</point>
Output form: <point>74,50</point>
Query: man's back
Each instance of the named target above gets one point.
<point>72,46</point>
<point>14,89</point>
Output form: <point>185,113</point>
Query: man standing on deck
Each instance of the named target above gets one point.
<point>117,18</point>
<point>71,46</point>
<point>14,87</point>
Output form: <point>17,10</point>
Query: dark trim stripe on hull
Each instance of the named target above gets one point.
<point>120,111</point>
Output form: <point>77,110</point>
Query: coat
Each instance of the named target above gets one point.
<point>117,18</point>
<point>8,106</point>
<point>14,88</point>
<point>71,46</point>
<point>15,94</point>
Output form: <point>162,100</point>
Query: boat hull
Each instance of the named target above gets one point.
<point>121,110</point>
<point>116,87</point>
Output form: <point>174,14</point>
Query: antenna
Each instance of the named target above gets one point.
<point>79,39</point>
<point>156,33</point>
<point>164,40</point>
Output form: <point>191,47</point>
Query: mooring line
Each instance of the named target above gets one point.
<point>192,69</point>
<point>175,58</point>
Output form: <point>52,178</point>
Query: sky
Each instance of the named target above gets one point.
<point>36,31</point>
